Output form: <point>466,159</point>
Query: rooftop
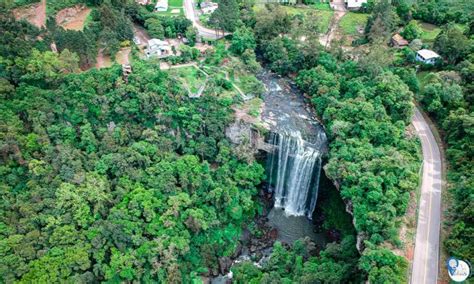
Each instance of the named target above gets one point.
<point>427,54</point>
<point>155,41</point>
<point>399,39</point>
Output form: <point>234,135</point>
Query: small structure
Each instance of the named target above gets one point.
<point>398,41</point>
<point>126,71</point>
<point>158,48</point>
<point>208,7</point>
<point>354,4</point>
<point>427,56</point>
<point>161,6</point>
<point>143,2</point>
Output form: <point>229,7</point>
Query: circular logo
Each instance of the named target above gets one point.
<point>458,270</point>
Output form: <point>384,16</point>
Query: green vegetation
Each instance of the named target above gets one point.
<point>108,170</point>
<point>175,3</point>
<point>322,6</point>
<point>440,12</point>
<point>53,6</point>
<point>429,31</point>
<point>172,12</point>
<point>447,96</point>
<point>351,23</point>
<point>226,17</point>
<point>300,265</point>
<point>19,3</point>
<point>366,109</point>
<point>112,179</point>
<point>191,77</point>
<point>255,105</point>
<point>160,26</point>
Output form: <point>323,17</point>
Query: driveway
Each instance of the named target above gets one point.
<point>425,261</point>
<point>339,11</point>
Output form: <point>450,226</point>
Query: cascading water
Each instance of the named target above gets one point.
<point>293,171</point>
<point>298,142</point>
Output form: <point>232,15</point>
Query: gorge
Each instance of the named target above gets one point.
<point>299,142</point>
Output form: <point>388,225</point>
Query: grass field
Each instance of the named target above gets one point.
<point>429,31</point>
<point>170,12</point>
<point>173,7</point>
<point>322,6</point>
<point>191,77</point>
<point>324,15</point>
<point>175,3</point>
<point>351,22</point>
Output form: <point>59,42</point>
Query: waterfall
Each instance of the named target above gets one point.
<point>293,170</point>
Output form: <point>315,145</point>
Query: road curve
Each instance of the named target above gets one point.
<point>425,261</point>
<point>203,31</point>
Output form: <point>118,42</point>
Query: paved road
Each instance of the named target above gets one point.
<point>190,13</point>
<point>425,261</point>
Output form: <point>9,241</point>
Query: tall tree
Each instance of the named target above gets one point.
<point>227,15</point>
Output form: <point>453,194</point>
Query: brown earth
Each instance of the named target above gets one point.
<point>122,56</point>
<point>102,60</point>
<point>35,14</point>
<point>73,18</point>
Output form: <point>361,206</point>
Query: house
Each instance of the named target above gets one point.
<point>354,4</point>
<point>143,2</point>
<point>161,6</point>
<point>207,7</point>
<point>158,48</point>
<point>398,41</point>
<point>427,56</point>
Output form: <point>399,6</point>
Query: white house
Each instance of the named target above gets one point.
<point>143,2</point>
<point>354,4</point>
<point>161,6</point>
<point>207,7</point>
<point>158,48</point>
<point>427,56</point>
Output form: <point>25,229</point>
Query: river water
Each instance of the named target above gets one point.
<point>294,166</point>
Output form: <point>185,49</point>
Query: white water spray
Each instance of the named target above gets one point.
<point>294,169</point>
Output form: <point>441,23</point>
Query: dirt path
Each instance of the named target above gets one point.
<point>339,12</point>
<point>141,34</point>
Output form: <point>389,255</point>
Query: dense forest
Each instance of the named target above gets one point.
<point>114,180</point>
<point>128,181</point>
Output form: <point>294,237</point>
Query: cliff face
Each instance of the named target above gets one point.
<point>361,236</point>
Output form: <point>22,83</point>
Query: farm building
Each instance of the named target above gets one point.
<point>161,6</point>
<point>354,4</point>
<point>427,56</point>
<point>398,41</point>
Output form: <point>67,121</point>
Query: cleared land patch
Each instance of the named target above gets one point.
<point>34,13</point>
<point>323,11</point>
<point>353,23</point>
<point>73,18</point>
<point>191,77</point>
